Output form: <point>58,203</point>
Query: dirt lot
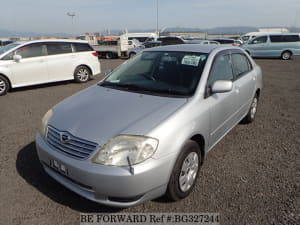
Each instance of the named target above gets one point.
<point>251,177</point>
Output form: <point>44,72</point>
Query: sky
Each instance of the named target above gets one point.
<point>50,16</point>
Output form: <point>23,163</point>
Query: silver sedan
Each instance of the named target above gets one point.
<point>145,130</point>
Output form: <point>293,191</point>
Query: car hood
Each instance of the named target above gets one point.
<point>98,114</point>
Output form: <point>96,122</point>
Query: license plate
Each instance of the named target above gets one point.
<point>59,166</point>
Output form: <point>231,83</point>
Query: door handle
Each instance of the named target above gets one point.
<point>237,90</point>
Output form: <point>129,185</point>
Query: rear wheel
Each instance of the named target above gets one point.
<point>249,118</point>
<point>108,55</point>
<point>132,54</point>
<point>4,85</point>
<point>185,172</point>
<point>82,74</point>
<point>286,55</point>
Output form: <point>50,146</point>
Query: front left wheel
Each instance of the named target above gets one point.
<point>82,74</point>
<point>286,55</point>
<point>185,172</point>
<point>4,85</point>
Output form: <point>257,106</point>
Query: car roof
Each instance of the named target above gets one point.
<point>186,48</point>
<point>50,40</point>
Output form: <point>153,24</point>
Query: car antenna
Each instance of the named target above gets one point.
<point>131,169</point>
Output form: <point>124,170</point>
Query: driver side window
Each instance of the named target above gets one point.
<point>221,70</point>
<point>259,40</point>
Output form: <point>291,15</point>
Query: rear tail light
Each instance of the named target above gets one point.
<point>95,54</point>
<point>234,44</point>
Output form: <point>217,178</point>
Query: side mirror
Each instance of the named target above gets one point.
<point>108,72</point>
<point>221,86</point>
<point>17,58</point>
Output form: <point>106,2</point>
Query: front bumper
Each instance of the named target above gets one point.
<point>109,185</point>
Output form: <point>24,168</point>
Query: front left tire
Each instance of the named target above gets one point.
<point>185,172</point>
<point>286,55</point>
<point>4,85</point>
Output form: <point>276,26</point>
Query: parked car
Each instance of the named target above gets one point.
<point>146,128</point>
<point>226,41</point>
<point>171,40</point>
<point>274,46</point>
<point>132,52</point>
<point>5,42</point>
<point>202,42</point>
<point>44,61</point>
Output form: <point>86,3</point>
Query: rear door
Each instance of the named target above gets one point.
<point>60,61</point>
<point>245,80</point>
<point>32,68</point>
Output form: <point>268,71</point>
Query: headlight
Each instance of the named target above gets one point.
<point>45,121</point>
<point>121,148</point>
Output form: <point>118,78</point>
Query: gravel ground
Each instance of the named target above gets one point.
<point>250,177</point>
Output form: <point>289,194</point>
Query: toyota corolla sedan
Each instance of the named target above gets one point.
<point>145,130</point>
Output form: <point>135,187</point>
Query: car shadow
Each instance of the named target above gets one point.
<point>30,169</point>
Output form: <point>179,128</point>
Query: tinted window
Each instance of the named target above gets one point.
<point>284,38</point>
<point>259,40</point>
<point>29,51</point>
<point>8,47</point>
<point>171,73</point>
<point>241,64</point>
<point>221,69</point>
<point>58,48</point>
<point>78,47</point>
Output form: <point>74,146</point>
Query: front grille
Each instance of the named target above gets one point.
<point>70,145</point>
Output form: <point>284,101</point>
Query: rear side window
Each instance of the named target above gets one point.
<point>284,38</point>
<point>241,64</point>
<point>29,51</point>
<point>58,48</point>
<point>80,47</point>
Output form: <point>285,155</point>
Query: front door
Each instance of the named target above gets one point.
<point>223,107</point>
<point>31,68</point>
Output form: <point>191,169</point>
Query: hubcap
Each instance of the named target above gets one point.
<point>188,171</point>
<point>83,74</point>
<point>2,86</point>
<point>286,55</point>
<point>253,108</point>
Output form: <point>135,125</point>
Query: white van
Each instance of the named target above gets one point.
<point>43,61</point>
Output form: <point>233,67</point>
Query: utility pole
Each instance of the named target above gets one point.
<point>157,17</point>
<point>72,15</point>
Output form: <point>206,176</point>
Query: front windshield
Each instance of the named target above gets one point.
<point>7,47</point>
<point>159,73</point>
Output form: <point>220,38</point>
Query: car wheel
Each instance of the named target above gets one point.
<point>4,85</point>
<point>82,74</point>
<point>249,118</point>
<point>286,55</point>
<point>108,55</point>
<point>185,172</point>
<point>132,54</point>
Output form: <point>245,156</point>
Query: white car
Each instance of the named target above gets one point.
<point>43,61</point>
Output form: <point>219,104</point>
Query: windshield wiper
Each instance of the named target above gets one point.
<point>171,92</point>
<point>124,86</point>
<point>134,87</point>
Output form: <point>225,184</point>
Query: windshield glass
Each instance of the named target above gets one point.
<point>159,73</point>
<point>7,47</point>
